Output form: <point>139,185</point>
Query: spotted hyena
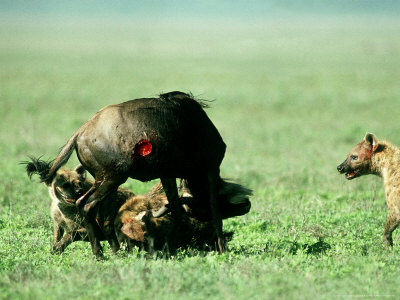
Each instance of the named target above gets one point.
<point>373,156</point>
<point>136,226</point>
<point>65,188</point>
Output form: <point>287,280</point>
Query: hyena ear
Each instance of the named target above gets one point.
<point>81,171</point>
<point>133,229</point>
<point>371,140</point>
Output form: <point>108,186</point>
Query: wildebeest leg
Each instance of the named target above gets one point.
<point>107,222</point>
<point>171,190</point>
<point>113,242</point>
<point>105,188</point>
<point>82,200</point>
<point>94,242</point>
<point>185,189</point>
<point>150,245</point>
<point>204,188</point>
<point>68,238</point>
<point>213,181</point>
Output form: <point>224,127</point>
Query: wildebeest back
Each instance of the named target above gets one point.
<point>172,130</point>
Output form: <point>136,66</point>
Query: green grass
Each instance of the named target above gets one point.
<point>292,98</point>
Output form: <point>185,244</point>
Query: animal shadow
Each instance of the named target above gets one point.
<point>190,250</point>
<point>291,247</point>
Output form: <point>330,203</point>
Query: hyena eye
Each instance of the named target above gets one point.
<point>353,157</point>
<point>65,185</point>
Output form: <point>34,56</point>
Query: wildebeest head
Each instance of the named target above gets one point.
<point>359,161</point>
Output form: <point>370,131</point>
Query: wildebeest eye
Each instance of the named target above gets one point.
<point>353,157</point>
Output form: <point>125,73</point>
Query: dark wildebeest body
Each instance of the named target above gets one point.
<point>168,137</point>
<point>184,141</point>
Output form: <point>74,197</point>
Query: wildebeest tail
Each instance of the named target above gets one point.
<point>47,169</point>
<point>233,199</point>
<point>38,166</point>
<point>62,158</point>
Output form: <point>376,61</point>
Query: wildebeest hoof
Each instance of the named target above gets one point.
<point>161,212</point>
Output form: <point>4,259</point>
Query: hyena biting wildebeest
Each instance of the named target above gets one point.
<point>66,187</point>
<point>373,156</point>
<point>134,223</point>
<point>167,137</point>
<point>136,226</point>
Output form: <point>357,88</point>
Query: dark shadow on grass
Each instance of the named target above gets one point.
<point>293,247</point>
<point>319,247</point>
<point>191,250</point>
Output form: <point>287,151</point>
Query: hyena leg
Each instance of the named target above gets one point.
<point>68,238</point>
<point>391,224</point>
<point>58,232</point>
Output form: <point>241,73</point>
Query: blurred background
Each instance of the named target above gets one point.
<point>295,83</point>
<point>201,8</point>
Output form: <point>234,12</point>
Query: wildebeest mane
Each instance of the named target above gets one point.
<point>171,96</point>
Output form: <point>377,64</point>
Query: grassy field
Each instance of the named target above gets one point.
<point>292,96</point>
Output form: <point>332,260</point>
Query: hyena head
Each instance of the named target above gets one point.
<point>359,161</point>
<point>66,186</point>
<point>69,185</point>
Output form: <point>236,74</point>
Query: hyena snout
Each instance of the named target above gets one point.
<point>342,168</point>
<point>79,191</point>
<point>78,187</point>
<point>353,167</point>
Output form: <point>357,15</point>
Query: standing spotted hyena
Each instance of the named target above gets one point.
<point>65,188</point>
<point>383,159</point>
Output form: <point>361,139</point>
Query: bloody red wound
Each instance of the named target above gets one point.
<point>143,148</point>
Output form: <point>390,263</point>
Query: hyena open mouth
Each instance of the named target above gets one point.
<point>61,195</point>
<point>352,175</point>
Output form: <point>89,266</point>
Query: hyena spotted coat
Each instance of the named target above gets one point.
<point>65,188</point>
<point>380,158</point>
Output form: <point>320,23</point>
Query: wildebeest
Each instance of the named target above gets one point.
<point>167,137</point>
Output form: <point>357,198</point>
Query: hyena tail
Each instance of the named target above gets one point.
<point>47,170</point>
<point>233,199</point>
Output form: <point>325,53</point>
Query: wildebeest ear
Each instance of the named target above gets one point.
<point>371,140</point>
<point>81,171</point>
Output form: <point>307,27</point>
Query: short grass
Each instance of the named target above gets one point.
<point>292,97</point>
